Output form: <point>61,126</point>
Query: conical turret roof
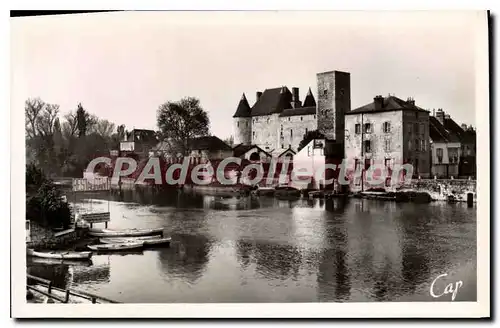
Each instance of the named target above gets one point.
<point>309,100</point>
<point>243,109</point>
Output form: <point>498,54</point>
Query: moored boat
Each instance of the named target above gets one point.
<point>116,247</point>
<point>113,240</point>
<point>152,241</point>
<point>125,233</point>
<point>61,255</point>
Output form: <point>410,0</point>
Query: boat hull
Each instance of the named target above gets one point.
<point>114,240</point>
<point>116,247</point>
<point>125,233</point>
<point>61,255</point>
<point>147,242</point>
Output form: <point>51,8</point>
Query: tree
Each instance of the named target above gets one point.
<point>230,141</point>
<point>32,109</point>
<point>81,120</point>
<point>181,121</point>
<point>44,203</point>
<point>308,137</point>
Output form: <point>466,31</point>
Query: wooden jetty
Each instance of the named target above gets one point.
<point>45,288</point>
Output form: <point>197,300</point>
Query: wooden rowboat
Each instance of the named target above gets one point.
<point>125,233</point>
<point>116,247</point>
<point>112,240</point>
<point>151,241</point>
<point>61,255</point>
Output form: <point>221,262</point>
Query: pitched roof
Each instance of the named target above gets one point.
<point>299,111</point>
<point>391,103</point>
<point>309,101</point>
<point>242,149</point>
<point>272,101</point>
<point>243,109</point>
<point>141,135</point>
<point>468,136</point>
<point>208,143</point>
<point>438,132</point>
<point>286,151</point>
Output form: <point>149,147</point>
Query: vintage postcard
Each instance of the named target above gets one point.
<point>300,164</point>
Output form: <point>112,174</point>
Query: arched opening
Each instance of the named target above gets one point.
<point>255,156</point>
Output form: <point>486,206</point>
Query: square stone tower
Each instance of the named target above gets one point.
<point>334,100</point>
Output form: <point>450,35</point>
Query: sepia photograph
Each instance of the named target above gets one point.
<point>250,164</point>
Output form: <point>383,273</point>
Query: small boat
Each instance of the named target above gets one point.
<point>50,261</point>
<point>152,241</point>
<point>61,255</point>
<point>112,240</point>
<point>116,247</point>
<point>125,233</point>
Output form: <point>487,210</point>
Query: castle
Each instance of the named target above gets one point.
<point>278,120</point>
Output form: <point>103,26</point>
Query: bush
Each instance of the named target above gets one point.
<point>44,204</point>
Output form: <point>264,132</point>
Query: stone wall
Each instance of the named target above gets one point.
<point>265,131</point>
<point>293,129</point>
<point>43,238</point>
<point>242,130</point>
<point>441,189</point>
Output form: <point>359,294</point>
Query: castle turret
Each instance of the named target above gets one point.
<point>242,123</point>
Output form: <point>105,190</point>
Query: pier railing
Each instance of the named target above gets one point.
<point>63,295</point>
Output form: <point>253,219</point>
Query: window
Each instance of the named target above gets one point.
<point>291,133</point>
<point>422,128</point>
<point>422,145</point>
<point>367,164</point>
<point>453,155</point>
<point>387,163</point>
<point>417,145</point>
<point>368,147</point>
<point>282,145</point>
<point>409,145</point>
<point>238,124</point>
<point>410,128</point>
<point>314,116</point>
<point>253,133</point>
<point>387,145</point>
<point>387,127</point>
<point>301,118</point>
<point>306,130</point>
<point>368,128</point>
<point>357,128</point>
<point>356,164</point>
<point>416,128</point>
<point>246,123</point>
<point>325,91</point>
<point>439,154</point>
<point>289,119</point>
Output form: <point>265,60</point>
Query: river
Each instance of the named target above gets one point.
<point>229,249</point>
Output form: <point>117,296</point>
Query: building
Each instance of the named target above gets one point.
<point>467,136</point>
<point>251,153</point>
<point>279,119</point>
<point>388,131</point>
<point>139,141</point>
<point>445,149</point>
<point>208,148</point>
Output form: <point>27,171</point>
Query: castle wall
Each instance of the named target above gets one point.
<point>242,130</point>
<point>293,129</point>
<point>265,131</point>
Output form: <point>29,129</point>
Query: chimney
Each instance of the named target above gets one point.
<point>464,127</point>
<point>295,98</point>
<point>440,116</point>
<point>447,116</point>
<point>379,102</point>
<point>257,95</point>
<point>410,101</point>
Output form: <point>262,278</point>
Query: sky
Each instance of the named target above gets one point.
<point>122,66</point>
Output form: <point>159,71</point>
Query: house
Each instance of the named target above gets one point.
<point>139,141</point>
<point>445,149</point>
<point>279,120</point>
<point>467,137</point>
<point>251,153</point>
<point>388,131</point>
<point>209,148</point>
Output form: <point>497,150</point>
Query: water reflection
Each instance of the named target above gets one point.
<point>234,248</point>
<point>187,258</point>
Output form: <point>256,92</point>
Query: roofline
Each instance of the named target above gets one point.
<point>354,111</point>
<point>334,71</point>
